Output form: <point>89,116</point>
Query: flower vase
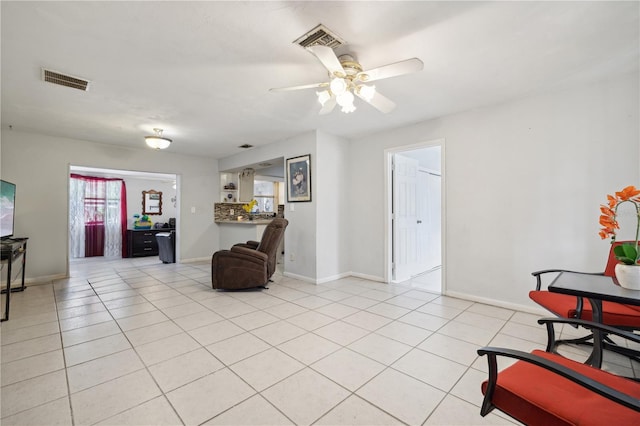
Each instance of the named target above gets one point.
<point>628,276</point>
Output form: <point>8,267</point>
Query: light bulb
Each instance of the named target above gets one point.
<point>344,99</point>
<point>366,92</point>
<point>338,86</point>
<point>348,108</point>
<point>323,97</point>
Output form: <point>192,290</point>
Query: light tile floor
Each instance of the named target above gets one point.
<point>136,342</point>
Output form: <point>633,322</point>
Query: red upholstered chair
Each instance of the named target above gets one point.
<point>544,388</point>
<point>564,306</point>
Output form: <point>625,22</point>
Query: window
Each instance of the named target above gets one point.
<point>264,192</point>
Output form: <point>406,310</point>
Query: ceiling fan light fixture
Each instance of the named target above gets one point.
<point>348,108</point>
<point>338,86</point>
<point>345,100</point>
<point>157,141</point>
<point>366,92</point>
<point>323,97</point>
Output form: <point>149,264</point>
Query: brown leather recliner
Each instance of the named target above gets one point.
<point>251,264</point>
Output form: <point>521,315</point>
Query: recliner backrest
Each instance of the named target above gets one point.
<point>270,241</point>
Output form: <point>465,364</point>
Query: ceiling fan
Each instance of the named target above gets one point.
<point>347,78</point>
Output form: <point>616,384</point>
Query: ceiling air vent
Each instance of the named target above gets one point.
<point>246,146</point>
<point>320,36</point>
<point>65,80</point>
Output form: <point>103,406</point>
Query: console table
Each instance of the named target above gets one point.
<point>142,242</point>
<point>12,250</point>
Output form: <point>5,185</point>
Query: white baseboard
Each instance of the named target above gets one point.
<point>368,277</point>
<point>45,279</point>
<point>333,278</point>
<point>299,277</point>
<point>499,303</point>
<point>194,259</point>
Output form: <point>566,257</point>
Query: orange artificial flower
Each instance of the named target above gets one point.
<point>628,193</point>
<point>607,211</point>
<point>609,223</point>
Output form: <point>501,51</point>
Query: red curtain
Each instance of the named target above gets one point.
<point>123,218</point>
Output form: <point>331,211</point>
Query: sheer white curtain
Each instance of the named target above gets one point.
<point>76,217</point>
<point>112,220</point>
<point>97,208</point>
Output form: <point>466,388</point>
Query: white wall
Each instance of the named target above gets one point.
<point>331,194</point>
<point>523,181</point>
<point>39,166</point>
<point>135,186</point>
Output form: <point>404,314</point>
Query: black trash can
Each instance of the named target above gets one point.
<point>166,246</point>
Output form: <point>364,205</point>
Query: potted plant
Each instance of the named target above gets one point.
<point>628,270</point>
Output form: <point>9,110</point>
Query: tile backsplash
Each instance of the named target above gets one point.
<point>222,211</point>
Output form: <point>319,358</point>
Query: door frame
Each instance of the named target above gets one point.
<point>388,205</point>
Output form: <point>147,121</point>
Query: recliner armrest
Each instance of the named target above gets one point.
<point>249,252</point>
<point>249,244</point>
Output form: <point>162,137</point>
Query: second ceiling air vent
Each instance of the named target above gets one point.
<point>320,36</point>
<point>65,80</point>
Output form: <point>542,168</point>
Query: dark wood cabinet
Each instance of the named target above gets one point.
<point>143,242</point>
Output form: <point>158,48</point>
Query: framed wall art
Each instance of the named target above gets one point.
<point>299,179</point>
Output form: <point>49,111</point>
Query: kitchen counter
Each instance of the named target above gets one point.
<point>240,231</point>
<point>245,222</point>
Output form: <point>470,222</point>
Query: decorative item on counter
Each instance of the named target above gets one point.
<point>249,206</point>
<point>628,270</point>
<point>142,222</point>
<point>231,185</point>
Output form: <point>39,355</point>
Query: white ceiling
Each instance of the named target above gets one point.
<point>202,70</point>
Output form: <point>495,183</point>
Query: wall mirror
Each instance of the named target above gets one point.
<point>151,202</point>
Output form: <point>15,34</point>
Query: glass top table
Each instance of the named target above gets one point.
<point>596,288</point>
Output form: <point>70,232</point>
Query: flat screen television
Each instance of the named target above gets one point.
<point>7,208</point>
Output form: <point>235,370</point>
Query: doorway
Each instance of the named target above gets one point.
<point>135,183</point>
<point>414,215</point>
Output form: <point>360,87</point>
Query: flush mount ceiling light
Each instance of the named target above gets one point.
<point>348,80</point>
<point>157,141</point>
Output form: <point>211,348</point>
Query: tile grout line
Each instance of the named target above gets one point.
<point>146,368</point>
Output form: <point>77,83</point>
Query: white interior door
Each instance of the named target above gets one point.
<point>405,221</point>
<point>422,265</point>
<point>429,221</point>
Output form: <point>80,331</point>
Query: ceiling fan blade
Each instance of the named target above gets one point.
<point>306,86</point>
<point>392,70</point>
<point>328,106</point>
<point>328,58</point>
<point>379,102</point>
